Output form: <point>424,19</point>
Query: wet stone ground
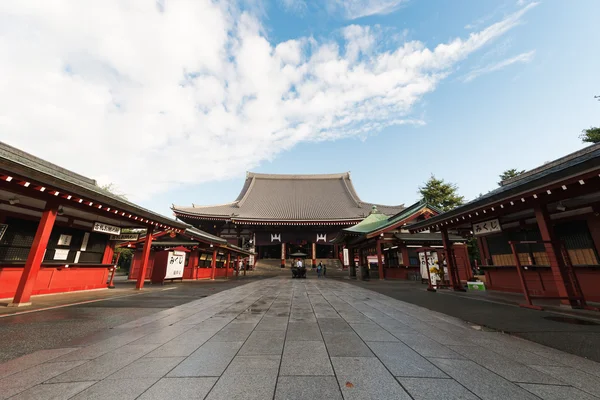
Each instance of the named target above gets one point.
<point>309,339</point>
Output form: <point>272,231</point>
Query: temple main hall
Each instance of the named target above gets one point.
<point>280,215</point>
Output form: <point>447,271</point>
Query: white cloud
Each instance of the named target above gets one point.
<point>156,97</point>
<point>353,9</point>
<point>294,6</point>
<point>521,58</point>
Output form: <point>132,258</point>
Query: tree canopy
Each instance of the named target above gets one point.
<point>112,188</point>
<point>590,135</point>
<point>441,194</point>
<point>509,173</point>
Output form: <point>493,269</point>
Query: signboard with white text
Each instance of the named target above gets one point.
<point>64,240</point>
<point>487,227</point>
<point>105,228</point>
<point>346,257</point>
<point>175,264</point>
<point>61,254</point>
<point>127,237</point>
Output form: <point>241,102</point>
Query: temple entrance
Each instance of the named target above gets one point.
<point>269,251</point>
<point>298,248</point>
<point>325,251</point>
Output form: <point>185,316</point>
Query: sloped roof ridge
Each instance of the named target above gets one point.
<point>552,164</point>
<point>341,175</point>
<point>195,206</point>
<point>45,164</point>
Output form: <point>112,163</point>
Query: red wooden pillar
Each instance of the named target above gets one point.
<point>237,266</point>
<point>405,256</point>
<point>282,255</point>
<point>556,264</point>
<point>213,265</point>
<point>109,252</point>
<point>452,271</point>
<point>145,257</point>
<point>380,261</point>
<point>314,255</point>
<point>227,266</point>
<point>35,257</point>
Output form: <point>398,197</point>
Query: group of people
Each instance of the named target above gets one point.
<point>321,268</point>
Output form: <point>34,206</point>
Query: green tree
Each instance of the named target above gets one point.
<point>590,135</point>
<point>441,194</point>
<point>509,173</point>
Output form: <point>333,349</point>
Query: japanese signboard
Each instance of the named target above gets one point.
<point>64,240</point>
<point>125,237</point>
<point>346,257</point>
<point>61,254</point>
<point>105,228</point>
<point>487,227</point>
<point>175,265</point>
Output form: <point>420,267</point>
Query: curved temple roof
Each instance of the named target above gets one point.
<point>271,197</point>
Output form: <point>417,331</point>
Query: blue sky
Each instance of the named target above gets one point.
<point>516,101</point>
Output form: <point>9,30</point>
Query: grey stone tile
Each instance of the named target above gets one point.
<point>183,345</point>
<point>105,365</point>
<point>163,335</point>
<point>179,388</point>
<point>507,368</point>
<point>581,380</point>
<point>17,383</point>
<point>36,358</point>
<point>401,360</point>
<point>248,378</point>
<point>209,360</point>
<point>234,332</point>
<point>272,324</point>
<point>303,331</point>
<point>302,317</point>
<point>116,389</point>
<point>355,317</point>
<point>554,392</point>
<point>346,344</point>
<point>53,391</point>
<point>366,378</point>
<point>147,368</point>
<point>307,387</point>
<point>263,343</point>
<point>481,381</point>
<point>305,358</point>
<point>373,333</point>
<point>427,347</point>
<point>511,349</point>
<point>330,325</point>
<point>435,388</point>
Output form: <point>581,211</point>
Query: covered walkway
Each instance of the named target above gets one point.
<point>286,339</point>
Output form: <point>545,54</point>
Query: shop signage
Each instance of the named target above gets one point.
<point>61,254</point>
<point>346,257</point>
<point>487,227</point>
<point>432,261</point>
<point>3,228</point>
<point>175,265</point>
<point>105,228</point>
<point>86,238</point>
<point>64,240</point>
<point>322,236</point>
<point>276,236</point>
<point>127,237</point>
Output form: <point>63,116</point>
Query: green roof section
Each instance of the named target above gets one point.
<point>370,223</point>
<point>376,221</point>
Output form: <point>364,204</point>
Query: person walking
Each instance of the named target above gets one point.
<point>324,270</point>
<point>319,268</point>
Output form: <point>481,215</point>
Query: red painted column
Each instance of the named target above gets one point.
<point>282,255</point>
<point>556,264</point>
<point>405,256</point>
<point>145,257</point>
<point>237,266</point>
<point>380,261</point>
<point>109,252</point>
<point>314,255</point>
<point>213,266</point>
<point>227,266</point>
<point>35,257</point>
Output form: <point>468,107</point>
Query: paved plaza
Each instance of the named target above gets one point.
<point>300,339</point>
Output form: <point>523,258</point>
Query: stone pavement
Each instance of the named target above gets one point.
<point>300,339</point>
